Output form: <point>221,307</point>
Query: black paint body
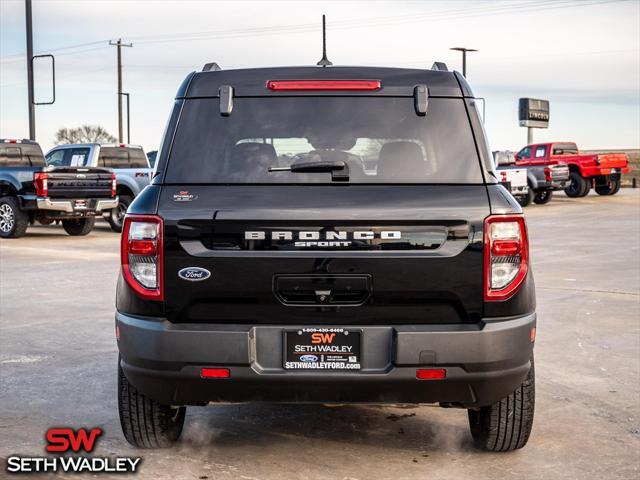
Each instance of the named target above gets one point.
<point>420,304</point>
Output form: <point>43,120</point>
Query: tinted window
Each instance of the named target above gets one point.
<point>381,139</point>
<point>21,156</point>
<point>69,157</point>
<point>152,157</point>
<point>11,157</point>
<point>55,157</point>
<point>525,152</point>
<point>113,157</point>
<point>565,149</point>
<point>137,158</point>
<point>122,157</point>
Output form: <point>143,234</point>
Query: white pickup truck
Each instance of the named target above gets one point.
<point>129,163</point>
<point>512,177</point>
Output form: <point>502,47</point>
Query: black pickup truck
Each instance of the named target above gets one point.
<point>30,191</point>
<point>325,235</point>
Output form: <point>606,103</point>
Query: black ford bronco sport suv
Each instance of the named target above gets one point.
<point>325,235</point>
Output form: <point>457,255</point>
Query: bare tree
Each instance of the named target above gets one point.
<point>84,134</point>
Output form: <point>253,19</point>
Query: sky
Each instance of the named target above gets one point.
<point>582,55</point>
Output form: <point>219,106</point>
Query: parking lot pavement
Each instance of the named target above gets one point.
<point>58,359</point>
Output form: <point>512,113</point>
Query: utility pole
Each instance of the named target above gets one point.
<point>32,107</point>
<point>119,46</point>
<point>464,57</point>
<point>128,118</point>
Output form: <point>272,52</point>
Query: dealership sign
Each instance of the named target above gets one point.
<point>66,442</point>
<point>533,112</point>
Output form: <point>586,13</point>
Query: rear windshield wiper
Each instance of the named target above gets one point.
<point>339,170</point>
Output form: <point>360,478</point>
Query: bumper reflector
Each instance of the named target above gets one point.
<point>215,373</point>
<point>431,373</point>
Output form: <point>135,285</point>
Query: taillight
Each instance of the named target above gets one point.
<point>113,184</point>
<point>506,256</point>
<point>547,174</point>
<point>142,256</point>
<point>41,182</point>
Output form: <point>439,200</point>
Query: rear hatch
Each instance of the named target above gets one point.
<point>79,182</point>
<point>398,242</point>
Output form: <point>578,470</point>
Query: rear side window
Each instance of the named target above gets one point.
<point>381,139</point>
<point>541,151</point>
<point>69,157</point>
<point>118,157</point>
<point>565,149</point>
<point>137,158</point>
<point>21,156</point>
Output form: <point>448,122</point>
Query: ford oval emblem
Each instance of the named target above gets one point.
<point>194,274</point>
<point>308,358</point>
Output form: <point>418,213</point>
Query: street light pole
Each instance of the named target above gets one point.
<point>30,93</point>
<point>128,118</point>
<point>464,57</point>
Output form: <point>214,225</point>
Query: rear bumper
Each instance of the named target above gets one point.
<point>484,363</point>
<point>92,205</point>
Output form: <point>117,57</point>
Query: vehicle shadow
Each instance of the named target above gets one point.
<point>403,428</point>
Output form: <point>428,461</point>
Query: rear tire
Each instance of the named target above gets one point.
<point>610,188</point>
<point>506,425</point>
<point>13,221</point>
<point>146,423</point>
<point>78,226</point>
<point>116,216</point>
<point>525,200</point>
<point>578,186</point>
<point>543,196</point>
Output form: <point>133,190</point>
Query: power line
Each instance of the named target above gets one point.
<point>472,12</point>
<point>370,22</point>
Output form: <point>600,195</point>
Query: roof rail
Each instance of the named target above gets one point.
<point>211,67</point>
<point>439,66</point>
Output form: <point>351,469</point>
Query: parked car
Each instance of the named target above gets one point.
<point>128,162</point>
<point>511,177</point>
<point>265,263</point>
<point>601,171</point>
<point>542,180</point>
<point>30,191</point>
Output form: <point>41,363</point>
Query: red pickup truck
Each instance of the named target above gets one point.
<point>601,171</point>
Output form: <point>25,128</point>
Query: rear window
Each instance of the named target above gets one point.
<point>122,157</point>
<point>381,139</point>
<point>565,149</point>
<point>21,155</point>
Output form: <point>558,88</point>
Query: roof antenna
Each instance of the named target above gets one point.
<point>324,61</point>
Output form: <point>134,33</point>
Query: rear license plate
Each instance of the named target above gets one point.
<point>322,349</point>
<point>80,204</point>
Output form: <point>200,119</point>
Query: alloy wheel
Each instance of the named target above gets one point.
<point>7,218</point>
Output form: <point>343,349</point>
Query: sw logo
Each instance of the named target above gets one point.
<point>323,338</point>
<point>64,440</point>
